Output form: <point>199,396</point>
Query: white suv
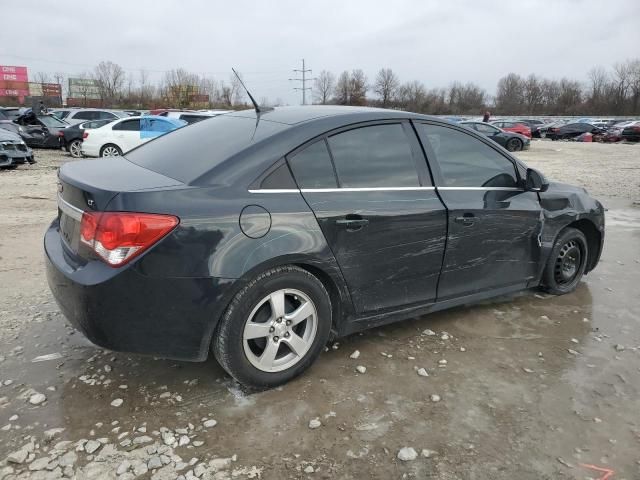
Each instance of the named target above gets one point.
<point>79,115</point>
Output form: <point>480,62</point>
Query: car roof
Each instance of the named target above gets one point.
<point>302,114</point>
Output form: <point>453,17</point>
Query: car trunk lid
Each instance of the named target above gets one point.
<point>90,185</point>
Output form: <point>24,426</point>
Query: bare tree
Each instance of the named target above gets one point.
<point>111,79</point>
<point>42,77</point>
<point>323,87</point>
<point>386,86</point>
<point>179,86</point>
<point>533,94</point>
<point>342,89</point>
<point>358,88</point>
<point>509,95</point>
<point>597,87</point>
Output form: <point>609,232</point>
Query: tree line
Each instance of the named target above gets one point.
<point>605,91</point>
<point>614,91</point>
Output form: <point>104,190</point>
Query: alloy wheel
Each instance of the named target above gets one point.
<point>76,149</point>
<point>280,330</point>
<point>110,152</point>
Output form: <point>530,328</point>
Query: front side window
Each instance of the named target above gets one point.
<point>375,156</point>
<point>466,161</point>
<point>312,167</point>
<point>487,129</point>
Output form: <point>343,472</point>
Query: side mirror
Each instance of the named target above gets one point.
<point>535,181</point>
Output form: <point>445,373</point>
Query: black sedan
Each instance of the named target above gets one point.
<point>258,236</point>
<point>72,136</point>
<point>513,142</point>
<point>572,130</point>
<point>40,130</point>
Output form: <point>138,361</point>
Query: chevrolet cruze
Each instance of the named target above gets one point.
<point>259,235</point>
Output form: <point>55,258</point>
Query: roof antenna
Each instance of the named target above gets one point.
<point>253,100</point>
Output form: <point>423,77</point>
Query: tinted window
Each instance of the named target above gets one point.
<point>88,115</point>
<point>486,129</point>
<point>202,146</point>
<point>312,167</point>
<point>466,161</point>
<point>106,115</point>
<point>279,178</point>
<point>160,126</point>
<point>377,156</point>
<point>193,118</point>
<point>131,125</point>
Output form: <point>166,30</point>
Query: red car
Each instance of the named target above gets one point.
<point>513,127</point>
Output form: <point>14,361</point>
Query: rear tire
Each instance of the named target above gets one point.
<point>514,145</point>
<point>110,150</point>
<point>258,336</point>
<point>567,262</point>
<point>75,148</point>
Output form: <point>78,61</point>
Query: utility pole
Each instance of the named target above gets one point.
<point>304,81</point>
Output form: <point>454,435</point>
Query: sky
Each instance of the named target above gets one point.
<point>436,42</point>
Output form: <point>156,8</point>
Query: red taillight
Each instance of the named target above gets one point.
<point>85,134</point>
<point>118,237</point>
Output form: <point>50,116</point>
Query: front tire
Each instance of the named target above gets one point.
<point>274,328</point>
<point>566,263</point>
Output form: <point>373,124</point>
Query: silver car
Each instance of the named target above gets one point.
<point>13,151</point>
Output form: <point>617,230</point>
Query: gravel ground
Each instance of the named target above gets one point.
<point>524,387</point>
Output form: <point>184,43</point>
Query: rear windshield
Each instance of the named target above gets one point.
<point>187,153</point>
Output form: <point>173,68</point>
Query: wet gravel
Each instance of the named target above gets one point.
<point>528,386</point>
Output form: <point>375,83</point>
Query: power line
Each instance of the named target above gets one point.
<point>304,81</point>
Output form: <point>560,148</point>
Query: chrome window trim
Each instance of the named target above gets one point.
<point>508,189</point>
<point>69,209</point>
<point>275,190</point>
<point>345,189</point>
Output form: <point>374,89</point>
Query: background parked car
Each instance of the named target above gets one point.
<point>190,116</point>
<point>534,124</point>
<point>514,127</point>
<point>79,115</point>
<point>511,141</point>
<point>13,150</point>
<point>41,130</point>
<point>631,133</point>
<point>573,130</point>
<point>116,138</point>
<point>71,137</point>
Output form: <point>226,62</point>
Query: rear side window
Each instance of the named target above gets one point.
<point>106,115</point>
<point>312,167</point>
<point>375,156</point>
<point>87,115</point>
<point>130,125</point>
<point>465,161</point>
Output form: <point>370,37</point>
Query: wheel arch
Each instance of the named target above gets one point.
<point>594,240</point>
<point>327,272</point>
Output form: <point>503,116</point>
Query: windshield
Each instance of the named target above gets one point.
<point>61,114</point>
<point>51,121</point>
<point>189,152</point>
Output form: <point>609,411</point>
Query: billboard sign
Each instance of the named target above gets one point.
<point>84,88</point>
<point>13,74</point>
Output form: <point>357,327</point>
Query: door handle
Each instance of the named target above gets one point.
<point>468,219</point>
<point>352,222</point>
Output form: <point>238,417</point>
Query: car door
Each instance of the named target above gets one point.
<point>371,192</point>
<point>127,134</point>
<point>493,223</point>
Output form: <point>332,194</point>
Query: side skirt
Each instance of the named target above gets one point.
<point>376,320</point>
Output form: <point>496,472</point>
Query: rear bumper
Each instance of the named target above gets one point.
<point>125,310</point>
<point>89,150</point>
